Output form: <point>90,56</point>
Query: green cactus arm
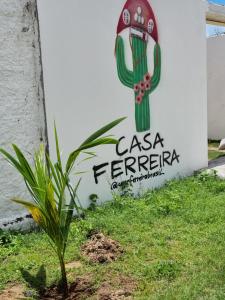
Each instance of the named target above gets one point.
<point>157,69</point>
<point>126,76</point>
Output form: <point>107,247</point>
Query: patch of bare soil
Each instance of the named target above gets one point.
<point>82,288</point>
<point>127,287</point>
<point>13,292</point>
<point>107,294</point>
<point>102,249</point>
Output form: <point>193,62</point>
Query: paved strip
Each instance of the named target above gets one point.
<point>219,166</point>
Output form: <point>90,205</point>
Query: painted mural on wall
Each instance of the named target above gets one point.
<point>146,157</point>
<point>138,17</point>
<point>152,149</point>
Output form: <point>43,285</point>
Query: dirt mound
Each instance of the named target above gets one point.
<point>126,287</point>
<point>106,293</point>
<point>102,249</point>
<point>82,288</point>
<point>117,288</point>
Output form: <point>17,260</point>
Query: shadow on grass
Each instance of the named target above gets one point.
<point>37,282</point>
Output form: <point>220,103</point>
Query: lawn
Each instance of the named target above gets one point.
<point>173,240</point>
<point>213,152</point>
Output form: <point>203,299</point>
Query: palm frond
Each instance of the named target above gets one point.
<point>48,184</point>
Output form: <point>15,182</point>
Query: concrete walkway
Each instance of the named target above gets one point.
<point>219,166</point>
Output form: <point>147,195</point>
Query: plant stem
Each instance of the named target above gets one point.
<point>64,283</point>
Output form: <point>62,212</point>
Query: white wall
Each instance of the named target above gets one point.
<point>21,97</point>
<point>83,91</point>
<point>216,86</point>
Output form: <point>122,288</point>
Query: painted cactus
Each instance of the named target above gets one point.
<point>138,16</point>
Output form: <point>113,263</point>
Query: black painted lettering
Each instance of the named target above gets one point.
<point>129,162</point>
<point>142,161</point>
<point>114,169</point>
<point>154,163</point>
<point>160,161</point>
<point>175,156</point>
<point>158,140</point>
<point>166,158</point>
<point>118,151</point>
<point>135,143</point>
<point>147,142</point>
<point>96,169</point>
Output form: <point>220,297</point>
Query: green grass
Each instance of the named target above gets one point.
<point>174,242</point>
<point>215,154</point>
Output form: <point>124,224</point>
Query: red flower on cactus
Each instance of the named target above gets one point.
<point>147,86</point>
<point>142,92</point>
<point>142,85</point>
<point>147,77</point>
<point>139,99</point>
<point>136,88</point>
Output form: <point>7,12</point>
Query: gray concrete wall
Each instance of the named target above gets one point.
<point>22,118</point>
<point>83,90</point>
<point>216,87</point>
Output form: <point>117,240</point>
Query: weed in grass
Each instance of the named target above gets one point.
<point>9,244</point>
<point>5,238</point>
<point>93,198</point>
<point>126,189</point>
<point>167,269</point>
<point>205,175</point>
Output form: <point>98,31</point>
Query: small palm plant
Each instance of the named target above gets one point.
<point>49,184</point>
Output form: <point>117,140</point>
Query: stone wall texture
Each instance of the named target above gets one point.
<point>22,114</point>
